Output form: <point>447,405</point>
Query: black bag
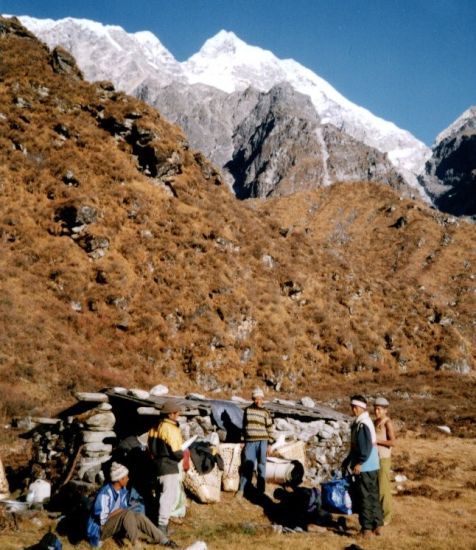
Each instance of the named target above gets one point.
<point>49,542</point>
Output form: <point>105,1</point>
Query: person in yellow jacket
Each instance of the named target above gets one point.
<point>165,442</point>
<point>385,441</point>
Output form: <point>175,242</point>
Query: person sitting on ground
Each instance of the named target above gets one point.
<point>385,441</point>
<point>300,507</point>
<point>257,432</point>
<point>363,464</point>
<point>111,515</point>
<point>165,444</point>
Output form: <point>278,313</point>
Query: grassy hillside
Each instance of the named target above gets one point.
<point>125,261</point>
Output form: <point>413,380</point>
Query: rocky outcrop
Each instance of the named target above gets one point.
<point>212,94</point>
<point>450,174</point>
<point>64,63</point>
<point>276,146</point>
<point>351,160</point>
<point>270,144</point>
<point>207,115</point>
<point>13,26</point>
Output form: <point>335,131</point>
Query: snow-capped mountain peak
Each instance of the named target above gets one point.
<point>62,28</point>
<point>223,42</point>
<point>154,51</point>
<point>108,52</point>
<point>139,61</point>
<point>229,64</point>
<point>468,117</point>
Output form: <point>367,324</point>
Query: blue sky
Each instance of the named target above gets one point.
<point>409,61</point>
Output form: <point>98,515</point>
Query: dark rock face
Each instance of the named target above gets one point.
<point>276,148</point>
<point>13,26</point>
<point>351,160</point>
<point>271,143</point>
<point>450,174</point>
<point>64,63</point>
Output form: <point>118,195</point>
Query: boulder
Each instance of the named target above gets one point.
<point>159,390</point>
<point>101,421</point>
<point>64,63</point>
<point>94,397</point>
<point>307,402</point>
<point>140,394</point>
<point>97,437</point>
<point>97,449</point>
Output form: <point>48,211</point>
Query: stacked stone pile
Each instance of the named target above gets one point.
<point>97,436</point>
<point>76,447</point>
<point>54,446</point>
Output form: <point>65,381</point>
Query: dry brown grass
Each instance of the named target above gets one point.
<point>185,295</point>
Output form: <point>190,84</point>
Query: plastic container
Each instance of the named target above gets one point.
<point>278,470</point>
<point>38,492</point>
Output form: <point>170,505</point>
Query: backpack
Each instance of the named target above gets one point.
<point>49,542</point>
<point>335,496</point>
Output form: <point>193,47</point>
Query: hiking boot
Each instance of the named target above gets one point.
<point>342,524</point>
<point>170,544</point>
<point>365,533</point>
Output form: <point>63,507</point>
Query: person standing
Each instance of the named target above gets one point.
<point>111,514</point>
<point>257,433</point>
<point>165,444</point>
<point>385,441</point>
<point>363,464</point>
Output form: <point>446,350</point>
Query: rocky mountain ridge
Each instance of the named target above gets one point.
<point>125,261</point>
<point>450,174</point>
<point>139,64</point>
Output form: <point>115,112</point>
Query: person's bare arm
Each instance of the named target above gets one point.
<point>391,439</point>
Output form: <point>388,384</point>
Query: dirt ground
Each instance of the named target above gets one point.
<point>434,509</point>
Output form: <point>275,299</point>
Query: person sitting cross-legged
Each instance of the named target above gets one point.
<point>112,516</point>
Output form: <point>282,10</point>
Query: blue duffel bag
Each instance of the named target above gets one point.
<point>335,496</point>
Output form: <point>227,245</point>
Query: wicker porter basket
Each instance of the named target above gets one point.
<point>204,487</point>
<point>231,455</point>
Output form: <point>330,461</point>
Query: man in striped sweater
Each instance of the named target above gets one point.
<point>257,433</point>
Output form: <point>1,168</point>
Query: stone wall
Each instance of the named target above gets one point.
<point>77,446</point>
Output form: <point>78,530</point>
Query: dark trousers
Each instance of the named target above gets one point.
<point>366,500</point>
